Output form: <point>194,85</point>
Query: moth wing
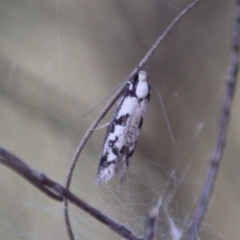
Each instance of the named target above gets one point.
<point>106,171</point>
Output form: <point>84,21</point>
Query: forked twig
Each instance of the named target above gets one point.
<point>26,172</point>
<point>57,192</point>
<point>222,130</point>
<point>112,101</point>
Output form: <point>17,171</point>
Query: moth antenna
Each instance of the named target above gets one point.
<point>111,92</point>
<point>164,112</point>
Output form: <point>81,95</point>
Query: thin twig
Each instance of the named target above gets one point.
<point>164,35</point>
<point>57,192</point>
<point>220,141</point>
<point>112,101</point>
<point>77,153</point>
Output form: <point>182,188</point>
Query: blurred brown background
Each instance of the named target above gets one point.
<point>59,58</point>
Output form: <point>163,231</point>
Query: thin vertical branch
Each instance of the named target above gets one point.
<point>112,101</point>
<point>217,153</point>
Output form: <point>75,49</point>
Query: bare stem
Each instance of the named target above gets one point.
<point>165,33</point>
<point>218,150</point>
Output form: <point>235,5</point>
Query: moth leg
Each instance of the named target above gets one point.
<point>123,177</point>
<point>121,169</point>
<point>102,126</point>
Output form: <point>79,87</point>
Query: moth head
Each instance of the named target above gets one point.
<point>139,85</point>
<point>142,76</point>
<point>139,77</point>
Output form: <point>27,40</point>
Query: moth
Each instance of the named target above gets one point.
<point>124,128</point>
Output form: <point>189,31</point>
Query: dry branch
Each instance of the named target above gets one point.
<point>57,192</point>
<point>221,137</point>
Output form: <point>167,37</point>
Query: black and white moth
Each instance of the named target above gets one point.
<point>123,130</point>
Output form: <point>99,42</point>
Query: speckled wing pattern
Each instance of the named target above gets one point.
<point>123,130</point>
